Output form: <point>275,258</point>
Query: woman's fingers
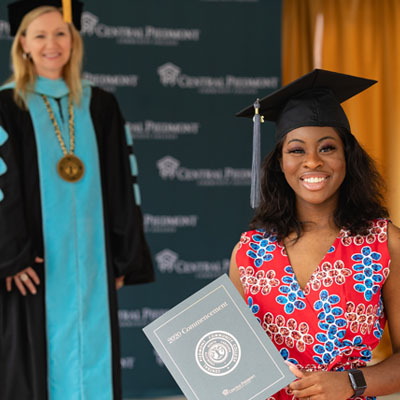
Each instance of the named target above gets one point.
<point>26,279</point>
<point>38,260</point>
<point>19,284</point>
<point>119,282</point>
<point>33,275</point>
<point>296,372</point>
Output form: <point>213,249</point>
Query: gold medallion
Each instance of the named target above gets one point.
<point>70,168</point>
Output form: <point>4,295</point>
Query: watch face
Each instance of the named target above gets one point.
<point>359,379</point>
<point>357,382</point>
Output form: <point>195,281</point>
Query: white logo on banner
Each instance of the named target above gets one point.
<point>168,74</point>
<point>170,168</point>
<point>167,167</point>
<point>168,223</point>
<point>140,35</point>
<point>5,30</point>
<point>128,362</point>
<point>88,23</point>
<point>168,262</point>
<point>171,75</point>
<point>112,82</point>
<point>138,318</point>
<point>158,130</point>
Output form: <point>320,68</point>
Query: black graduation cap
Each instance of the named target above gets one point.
<point>18,9</point>
<point>312,100</point>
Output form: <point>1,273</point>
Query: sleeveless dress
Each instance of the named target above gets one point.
<point>338,319</point>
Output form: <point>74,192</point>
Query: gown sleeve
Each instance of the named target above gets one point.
<point>15,243</point>
<point>123,217</point>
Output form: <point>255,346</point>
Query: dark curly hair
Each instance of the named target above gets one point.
<point>360,195</point>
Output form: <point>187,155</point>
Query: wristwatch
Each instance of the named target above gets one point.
<point>357,381</point>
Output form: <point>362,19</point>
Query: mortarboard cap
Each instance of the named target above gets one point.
<point>18,10</point>
<point>312,100</point>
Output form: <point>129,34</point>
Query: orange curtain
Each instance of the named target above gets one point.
<point>357,37</point>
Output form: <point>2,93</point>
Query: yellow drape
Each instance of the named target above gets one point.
<point>357,37</point>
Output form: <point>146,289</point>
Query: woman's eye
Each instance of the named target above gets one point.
<point>39,36</point>
<point>327,148</point>
<point>61,34</point>
<point>296,151</point>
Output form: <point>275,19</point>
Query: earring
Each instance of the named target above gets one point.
<point>26,56</point>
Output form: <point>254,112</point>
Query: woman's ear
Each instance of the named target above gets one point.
<point>22,41</point>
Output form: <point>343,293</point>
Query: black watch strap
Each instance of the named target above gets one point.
<point>357,381</point>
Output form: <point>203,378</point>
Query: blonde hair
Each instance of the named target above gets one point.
<point>24,73</point>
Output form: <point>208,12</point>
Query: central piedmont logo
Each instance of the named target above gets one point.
<point>170,168</point>
<point>111,82</point>
<point>172,76</point>
<point>218,353</point>
<point>168,262</point>
<point>162,130</point>
<point>168,74</point>
<point>168,223</point>
<point>138,35</point>
<point>88,23</point>
<point>138,318</point>
<point>167,167</point>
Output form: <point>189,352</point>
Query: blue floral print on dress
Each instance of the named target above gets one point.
<point>366,354</point>
<point>255,308</point>
<point>367,275</point>
<point>261,249</point>
<point>330,321</point>
<point>291,293</point>
<point>286,356</point>
<point>378,331</point>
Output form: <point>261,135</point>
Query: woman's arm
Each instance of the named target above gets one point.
<point>234,272</point>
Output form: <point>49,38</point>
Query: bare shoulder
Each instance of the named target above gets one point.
<point>393,281</point>
<point>390,289</point>
<point>394,242</point>
<point>234,274</point>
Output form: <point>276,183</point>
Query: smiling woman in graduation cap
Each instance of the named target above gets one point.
<point>71,226</point>
<point>321,266</point>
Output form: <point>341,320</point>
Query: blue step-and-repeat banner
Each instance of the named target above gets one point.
<point>180,69</point>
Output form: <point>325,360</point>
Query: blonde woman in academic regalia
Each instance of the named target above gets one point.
<point>71,229</point>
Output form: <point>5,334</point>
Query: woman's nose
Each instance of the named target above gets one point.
<point>51,41</point>
<point>312,160</point>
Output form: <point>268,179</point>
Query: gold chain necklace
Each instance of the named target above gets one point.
<point>70,167</point>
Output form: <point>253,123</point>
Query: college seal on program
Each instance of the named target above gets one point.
<point>217,353</point>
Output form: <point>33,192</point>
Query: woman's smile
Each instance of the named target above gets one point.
<point>313,181</point>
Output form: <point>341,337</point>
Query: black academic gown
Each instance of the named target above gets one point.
<point>23,370</point>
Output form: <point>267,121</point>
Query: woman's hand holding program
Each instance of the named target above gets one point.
<point>320,385</point>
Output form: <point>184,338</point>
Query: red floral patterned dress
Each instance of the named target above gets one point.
<point>336,321</point>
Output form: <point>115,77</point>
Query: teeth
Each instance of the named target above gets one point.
<point>314,180</point>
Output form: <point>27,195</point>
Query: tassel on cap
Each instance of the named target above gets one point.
<point>256,163</point>
<point>67,10</point>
